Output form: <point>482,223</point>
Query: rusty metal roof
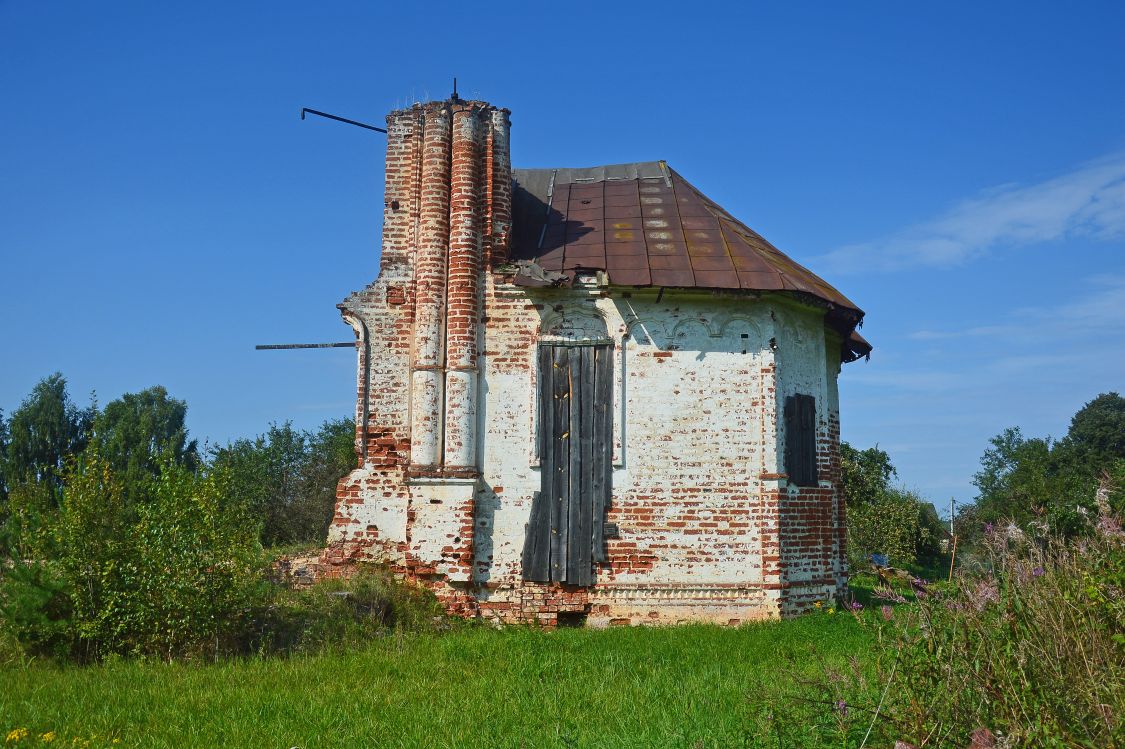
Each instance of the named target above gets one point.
<point>645,225</point>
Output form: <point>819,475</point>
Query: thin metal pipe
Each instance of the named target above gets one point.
<point>340,119</point>
<point>278,346</point>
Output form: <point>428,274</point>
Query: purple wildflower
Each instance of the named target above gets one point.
<point>1109,526</point>
<point>988,527</point>
<point>856,606</point>
<point>887,612</point>
<point>918,585</point>
<point>842,708</point>
<point>1038,572</point>
<point>886,594</point>
<point>983,594</point>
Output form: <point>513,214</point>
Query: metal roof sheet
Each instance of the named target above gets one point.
<point>645,225</point>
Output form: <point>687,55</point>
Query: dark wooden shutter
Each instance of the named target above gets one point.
<point>566,529</point>
<point>800,439</point>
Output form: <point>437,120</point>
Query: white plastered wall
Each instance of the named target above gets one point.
<point>695,427</point>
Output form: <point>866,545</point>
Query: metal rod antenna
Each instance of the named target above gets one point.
<point>340,119</point>
<point>280,346</point>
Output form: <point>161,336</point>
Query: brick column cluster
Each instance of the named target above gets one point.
<point>463,222</point>
<point>468,209</point>
<point>427,381</point>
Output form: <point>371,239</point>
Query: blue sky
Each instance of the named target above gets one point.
<point>957,169</point>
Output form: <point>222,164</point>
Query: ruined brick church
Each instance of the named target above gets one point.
<point>588,395</point>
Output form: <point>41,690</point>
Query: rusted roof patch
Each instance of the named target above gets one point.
<point>645,225</point>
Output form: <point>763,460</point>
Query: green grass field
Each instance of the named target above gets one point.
<point>473,687</point>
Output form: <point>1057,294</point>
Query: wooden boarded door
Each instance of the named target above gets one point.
<point>565,535</point>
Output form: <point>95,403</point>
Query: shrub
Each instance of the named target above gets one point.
<point>890,524</point>
<point>883,518</point>
<point>1029,646</point>
<point>175,575</point>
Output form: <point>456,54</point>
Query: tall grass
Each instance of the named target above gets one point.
<point>1028,649</point>
<point>692,686</point>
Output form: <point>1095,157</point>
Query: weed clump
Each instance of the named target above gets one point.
<point>340,613</point>
<point>1026,649</point>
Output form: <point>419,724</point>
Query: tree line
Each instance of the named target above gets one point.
<point>1022,480</point>
<point>285,478</point>
<point>1052,482</point>
<point>120,534</point>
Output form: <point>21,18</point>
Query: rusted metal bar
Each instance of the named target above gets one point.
<point>340,119</point>
<point>279,346</point>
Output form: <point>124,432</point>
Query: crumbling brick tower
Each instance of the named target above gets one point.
<point>447,211</point>
<point>588,393</point>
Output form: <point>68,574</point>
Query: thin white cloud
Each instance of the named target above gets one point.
<point>982,331</point>
<point>1099,311</point>
<point>1089,201</point>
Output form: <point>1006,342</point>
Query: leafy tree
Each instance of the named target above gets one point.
<point>1014,477</point>
<point>266,478</point>
<point>1030,479</point>
<point>331,456</point>
<point>932,531</point>
<point>1097,432</point>
<point>866,474</point>
<point>288,478</point>
<point>881,517</point>
<point>139,430</point>
<point>3,462</point>
<point>43,431</point>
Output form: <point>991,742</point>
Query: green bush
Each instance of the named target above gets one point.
<point>175,575</point>
<point>890,524</point>
<point>37,611</point>
<point>883,518</point>
<point>172,569</point>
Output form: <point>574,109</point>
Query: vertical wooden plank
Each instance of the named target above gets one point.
<point>801,462</point>
<point>574,504</point>
<point>609,380</point>
<point>806,435</point>
<point>560,439</point>
<point>584,491</point>
<point>603,446</point>
<point>536,545</point>
<point>789,415</point>
<point>544,416</point>
<point>547,457</point>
